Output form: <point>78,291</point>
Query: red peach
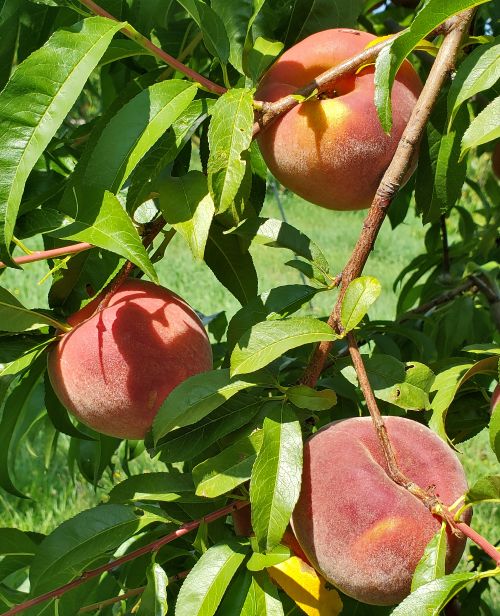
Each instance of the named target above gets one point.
<point>331,149</point>
<point>360,530</point>
<point>115,367</point>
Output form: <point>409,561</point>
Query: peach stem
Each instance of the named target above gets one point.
<point>146,549</point>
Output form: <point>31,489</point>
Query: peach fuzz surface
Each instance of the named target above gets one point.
<point>364,533</point>
<point>114,368</point>
<point>331,150</point>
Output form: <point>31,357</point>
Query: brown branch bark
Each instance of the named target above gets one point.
<point>146,549</point>
<point>159,53</point>
<point>393,177</point>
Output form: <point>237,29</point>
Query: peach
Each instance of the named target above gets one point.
<point>331,149</point>
<point>115,367</point>
<point>364,533</point>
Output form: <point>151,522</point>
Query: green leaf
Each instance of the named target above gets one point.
<point>360,294</point>
<point>214,33</point>
<point>432,565</point>
<point>484,128</point>
<point>13,346</point>
<point>273,304</point>
<point>186,204</point>
<point>195,398</point>
<point>391,57</point>
<point>486,489</point>
<point>279,234</point>
<point>230,468</point>
<point>110,228</point>
<point>261,55</point>
<point>259,561</point>
<point>267,341</point>
<point>431,598</point>
<point>16,542</point>
<point>478,72</point>
<point>154,597</point>
<point>494,429</point>
<point>447,384</point>
<point>229,135</point>
<point>73,546</point>
<point>163,487</point>
<point>231,265</point>
<point>188,442</point>
<point>41,92</point>
<point>207,581</point>
<point>276,476</point>
<point>18,415</point>
<point>121,49</point>
<point>14,317</point>
<point>9,25</point>
<point>308,398</point>
<point>128,136</point>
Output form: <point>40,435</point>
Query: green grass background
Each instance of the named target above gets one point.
<point>54,495</point>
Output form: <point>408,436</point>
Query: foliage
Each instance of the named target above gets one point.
<point>99,139</point>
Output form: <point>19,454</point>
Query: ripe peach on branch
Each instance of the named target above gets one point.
<point>117,365</point>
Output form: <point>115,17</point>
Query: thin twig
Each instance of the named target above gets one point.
<point>479,540</point>
<point>393,177</point>
<point>42,255</point>
<point>133,592</point>
<point>146,549</point>
<point>147,44</point>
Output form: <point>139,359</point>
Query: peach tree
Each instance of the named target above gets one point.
<point>125,123</point>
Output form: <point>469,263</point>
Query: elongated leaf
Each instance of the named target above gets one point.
<point>154,597</point>
<point>65,553</point>
<point>273,304</point>
<point>359,296</point>
<point>235,17</point>
<point>432,565</point>
<point>231,265</point>
<point>188,442</point>
<point>486,489</point>
<point>14,317</point>
<point>483,128</point>
<point>131,132</point>
<point>229,135</point>
<point>164,487</point>
<point>230,468</point>
<point>195,398</point>
<point>308,398</point>
<point>207,581</point>
<point>18,416</point>
<point>391,57</point>
<point>42,91</point>
<point>478,72</point>
<point>267,341</point>
<point>13,346</point>
<point>306,587</point>
<point>259,561</point>
<point>431,598</point>
<point>279,234</point>
<point>495,426</point>
<point>260,56</point>
<point>276,476</point>
<point>110,228</point>
<point>214,34</point>
<point>9,24</point>
<point>186,204</point>
<point>16,542</point>
<point>447,384</point>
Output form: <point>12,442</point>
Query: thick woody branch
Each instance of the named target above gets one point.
<point>159,53</point>
<point>393,177</point>
<point>146,549</point>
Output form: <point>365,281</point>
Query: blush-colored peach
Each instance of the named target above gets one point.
<point>364,533</point>
<point>332,150</point>
<point>115,367</point>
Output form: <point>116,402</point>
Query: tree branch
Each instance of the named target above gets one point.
<point>41,255</point>
<point>393,177</point>
<point>146,549</point>
<point>159,53</point>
